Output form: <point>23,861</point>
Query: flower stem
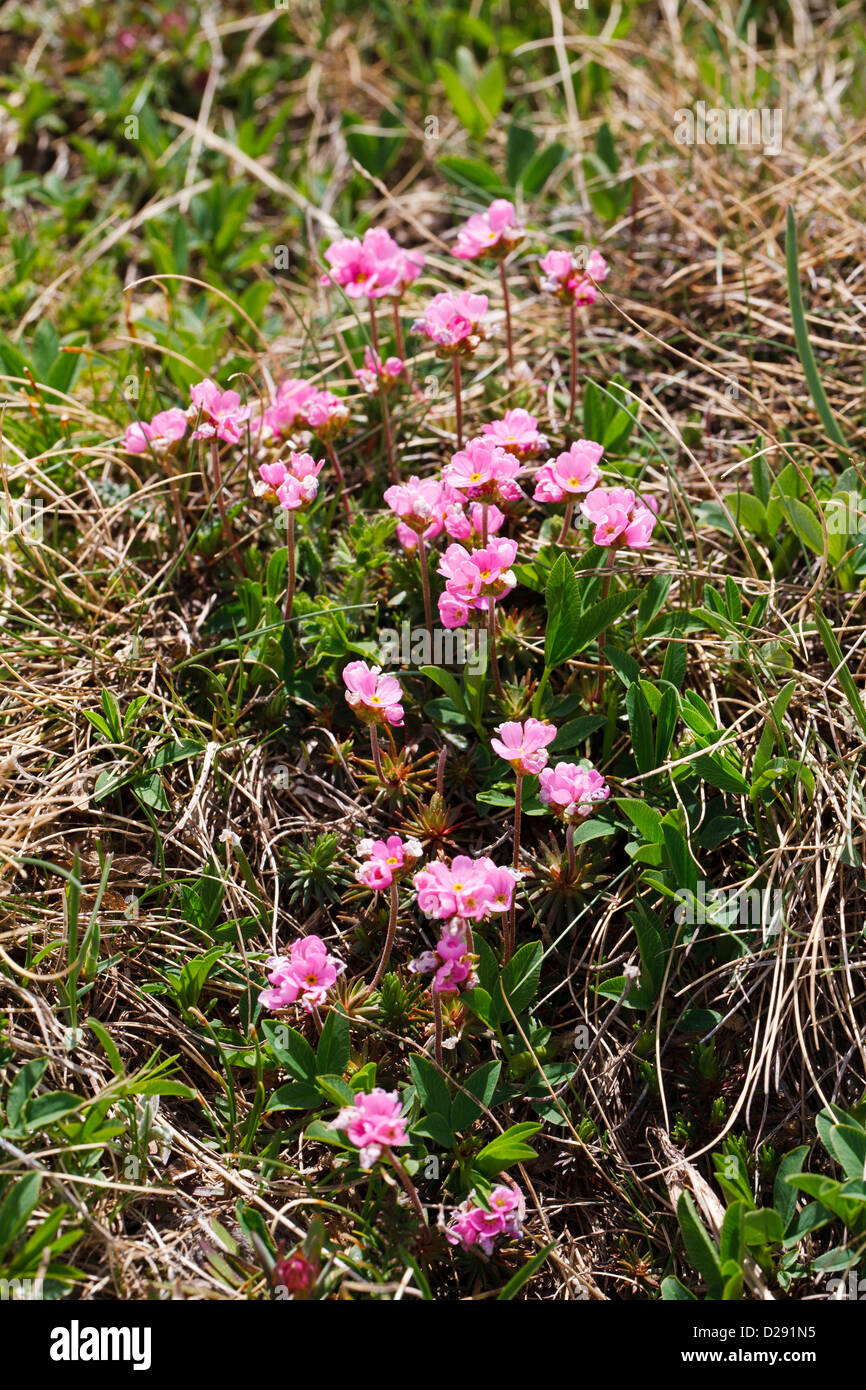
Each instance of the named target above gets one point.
<point>408,1185</point>
<point>383,396</point>
<point>377,756</point>
<point>566,522</point>
<point>515,862</point>
<point>484,524</point>
<point>290,561</point>
<point>398,331</point>
<point>228,534</point>
<point>425,585</point>
<point>494,662</point>
<point>338,469</point>
<point>437,1021</point>
<point>569,840</point>
<point>389,939</point>
<point>508,333</point>
<point>572,394</point>
<point>458,400</point>
<point>440,770</point>
<point>605,590</point>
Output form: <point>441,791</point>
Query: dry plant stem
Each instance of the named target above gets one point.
<point>566,522</point>
<point>290,561</point>
<point>408,1186</point>
<point>458,400</point>
<point>398,333</point>
<point>494,661</point>
<point>572,392</point>
<point>440,771</point>
<point>572,863</point>
<point>425,585</point>
<point>338,469</point>
<point>515,861</point>
<point>484,506</point>
<point>507,301</point>
<point>389,939</point>
<point>605,590</point>
<point>228,534</point>
<point>437,1021</point>
<point>383,396</point>
<point>377,756</point>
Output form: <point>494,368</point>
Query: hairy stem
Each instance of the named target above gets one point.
<point>389,939</point>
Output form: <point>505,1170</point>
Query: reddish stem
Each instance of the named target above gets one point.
<point>508,332</point>
<point>458,400</point>
<point>389,939</point>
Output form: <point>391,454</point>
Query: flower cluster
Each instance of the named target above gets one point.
<point>159,434</point>
<point>518,433</point>
<point>483,472</point>
<point>568,278</point>
<point>524,746</point>
<point>572,472</point>
<point>375,1123</point>
<point>378,375</point>
<point>619,517</point>
<point>376,699</point>
<point>373,267</point>
<point>220,414</point>
<point>570,791</point>
<point>451,961</point>
<point>386,861</point>
<point>466,889</point>
<point>475,578</point>
<point>495,232</point>
<point>453,322</point>
<point>294,484</point>
<point>474,1225</point>
<point>304,976</point>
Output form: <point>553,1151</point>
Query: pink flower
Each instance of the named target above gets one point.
<point>572,792</point>
<point>478,575</point>
<point>375,1123</point>
<point>491,233</point>
<point>374,698</point>
<point>524,746</point>
<point>304,976</point>
<point>418,503</point>
<point>620,517</point>
<point>474,1225</point>
<point>376,375</point>
<point>461,889</point>
<point>294,484</point>
<point>220,413</point>
<point>453,322</point>
<point>574,471</point>
<point>386,861</point>
<point>464,524</point>
<point>483,472</point>
<point>566,277</point>
<point>286,415</point>
<point>297,1274</point>
<point>373,267</point>
<point>159,434</point>
<point>452,964</point>
<point>326,415</point>
<point>501,883</point>
<point>453,612</point>
<point>517,432</point>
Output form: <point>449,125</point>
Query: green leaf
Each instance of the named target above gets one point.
<point>481,1084</point>
<point>540,168</point>
<point>17,1206</point>
<point>594,621</point>
<point>519,149</point>
<point>291,1050</point>
<point>332,1053</point>
<point>763,1227</point>
<point>518,981</point>
<point>647,819</point>
<point>295,1095</point>
<point>838,661</point>
<point>564,607</point>
<point>506,1149</point>
<point>801,334</point>
<point>641,728</point>
<point>673,1291</point>
<point>700,1249</point>
<point>430,1084</point>
<point>784,1196</point>
<point>466,109</point>
<point>335,1089</point>
<point>515,1284</point>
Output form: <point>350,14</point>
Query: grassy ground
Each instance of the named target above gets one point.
<point>183,785</point>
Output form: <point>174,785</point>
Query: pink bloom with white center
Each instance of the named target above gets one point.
<point>467,523</point>
<point>326,415</point>
<point>375,1123</point>
<point>524,746</point>
<point>475,1226</point>
<point>492,233</point>
<point>453,612</point>
<point>386,861</point>
<point>376,375</point>
<point>572,792</point>
<point>418,503</point>
<point>478,575</point>
<point>501,882</point>
<point>303,977</point>
<point>452,964</point>
<point>300,483</point>
<point>569,473</point>
<point>568,278</point>
<point>461,889</point>
<point>159,434</point>
<point>286,415</point>
<point>220,413</point>
<point>483,472</point>
<point>363,268</point>
<point>454,322</point>
<point>518,433</point>
<point>620,517</point>
<point>374,698</point>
